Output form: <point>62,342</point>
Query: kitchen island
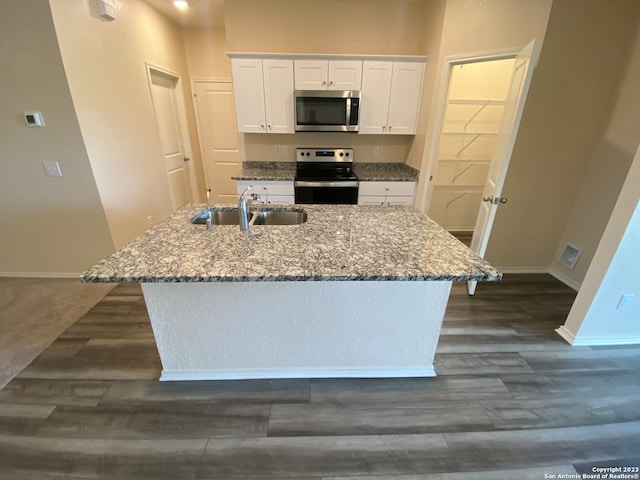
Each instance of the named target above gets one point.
<point>354,291</point>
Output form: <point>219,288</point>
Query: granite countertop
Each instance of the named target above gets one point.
<point>267,171</point>
<point>338,242</point>
<point>385,172</point>
<point>366,172</point>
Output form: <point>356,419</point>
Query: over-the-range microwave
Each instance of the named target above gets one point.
<point>327,110</point>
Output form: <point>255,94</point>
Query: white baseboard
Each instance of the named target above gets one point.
<point>41,275</point>
<point>523,269</point>
<point>566,334</point>
<point>595,341</point>
<point>564,279</point>
<point>169,376</point>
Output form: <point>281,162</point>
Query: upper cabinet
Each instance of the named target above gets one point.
<point>390,97</point>
<point>328,74</point>
<point>263,91</point>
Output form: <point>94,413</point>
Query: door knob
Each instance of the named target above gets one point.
<point>495,200</point>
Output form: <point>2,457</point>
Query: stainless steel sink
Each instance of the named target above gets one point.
<point>218,216</point>
<point>231,216</point>
<point>279,217</point>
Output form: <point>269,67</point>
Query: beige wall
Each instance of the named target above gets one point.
<point>430,45</point>
<point>205,50</point>
<point>50,225</point>
<point>328,26</point>
<point>105,67</point>
<point>570,98</point>
<point>594,318</point>
<point>605,174</point>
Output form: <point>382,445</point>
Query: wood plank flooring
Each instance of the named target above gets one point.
<point>512,400</point>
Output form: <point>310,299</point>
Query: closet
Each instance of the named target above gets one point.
<point>472,116</point>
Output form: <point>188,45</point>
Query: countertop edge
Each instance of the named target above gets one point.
<point>293,278</point>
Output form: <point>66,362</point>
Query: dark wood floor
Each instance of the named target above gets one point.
<point>512,401</point>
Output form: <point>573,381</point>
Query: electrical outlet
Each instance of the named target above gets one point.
<point>376,151</point>
<point>149,221</point>
<point>278,149</point>
<point>625,301</point>
<point>285,148</point>
<point>51,168</point>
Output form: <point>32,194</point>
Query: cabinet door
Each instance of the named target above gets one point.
<point>345,74</point>
<point>281,199</point>
<point>404,104</point>
<point>399,201</point>
<point>249,94</point>
<point>371,200</point>
<point>311,74</point>
<point>278,94</point>
<point>374,98</point>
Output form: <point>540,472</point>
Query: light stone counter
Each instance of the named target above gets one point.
<point>338,242</point>
<point>355,291</point>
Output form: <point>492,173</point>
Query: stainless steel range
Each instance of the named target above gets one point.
<point>325,175</point>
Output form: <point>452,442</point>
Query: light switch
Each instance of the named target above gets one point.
<point>51,168</point>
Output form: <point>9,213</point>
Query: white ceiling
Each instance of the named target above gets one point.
<point>200,14</point>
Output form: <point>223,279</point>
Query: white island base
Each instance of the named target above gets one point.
<point>309,329</point>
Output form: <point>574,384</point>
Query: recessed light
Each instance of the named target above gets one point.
<point>181,4</point>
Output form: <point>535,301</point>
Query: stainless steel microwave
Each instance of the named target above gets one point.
<point>327,110</point>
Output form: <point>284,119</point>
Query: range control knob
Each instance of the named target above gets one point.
<point>342,154</point>
<point>347,154</point>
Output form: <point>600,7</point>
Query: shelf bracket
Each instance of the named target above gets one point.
<point>468,144</point>
<point>453,180</point>
<point>476,114</point>
<point>456,199</point>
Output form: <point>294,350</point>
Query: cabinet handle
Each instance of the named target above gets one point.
<point>330,83</point>
<point>262,127</point>
<point>389,128</point>
<point>324,83</point>
<point>383,128</point>
<point>269,127</point>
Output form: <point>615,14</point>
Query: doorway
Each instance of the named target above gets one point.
<point>494,171</point>
<point>473,113</point>
<point>168,106</point>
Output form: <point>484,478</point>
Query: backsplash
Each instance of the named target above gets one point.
<point>269,147</point>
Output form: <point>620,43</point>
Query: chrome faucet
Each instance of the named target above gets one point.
<point>209,213</point>
<point>244,204</point>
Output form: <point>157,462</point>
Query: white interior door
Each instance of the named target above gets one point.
<point>218,138</point>
<point>514,104</point>
<point>163,94</point>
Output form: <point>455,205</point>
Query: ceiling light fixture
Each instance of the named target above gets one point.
<point>181,4</point>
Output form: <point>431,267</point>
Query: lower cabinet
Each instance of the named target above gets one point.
<point>281,192</point>
<point>386,193</point>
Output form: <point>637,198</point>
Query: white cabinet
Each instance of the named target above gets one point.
<point>328,74</point>
<point>386,193</point>
<point>390,97</point>
<point>263,92</point>
<point>281,192</point>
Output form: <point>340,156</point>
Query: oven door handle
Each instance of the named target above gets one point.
<point>302,183</point>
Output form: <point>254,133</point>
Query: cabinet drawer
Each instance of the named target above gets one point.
<point>388,188</point>
<point>267,187</point>
<point>371,200</point>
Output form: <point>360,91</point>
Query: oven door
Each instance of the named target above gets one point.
<point>334,193</point>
